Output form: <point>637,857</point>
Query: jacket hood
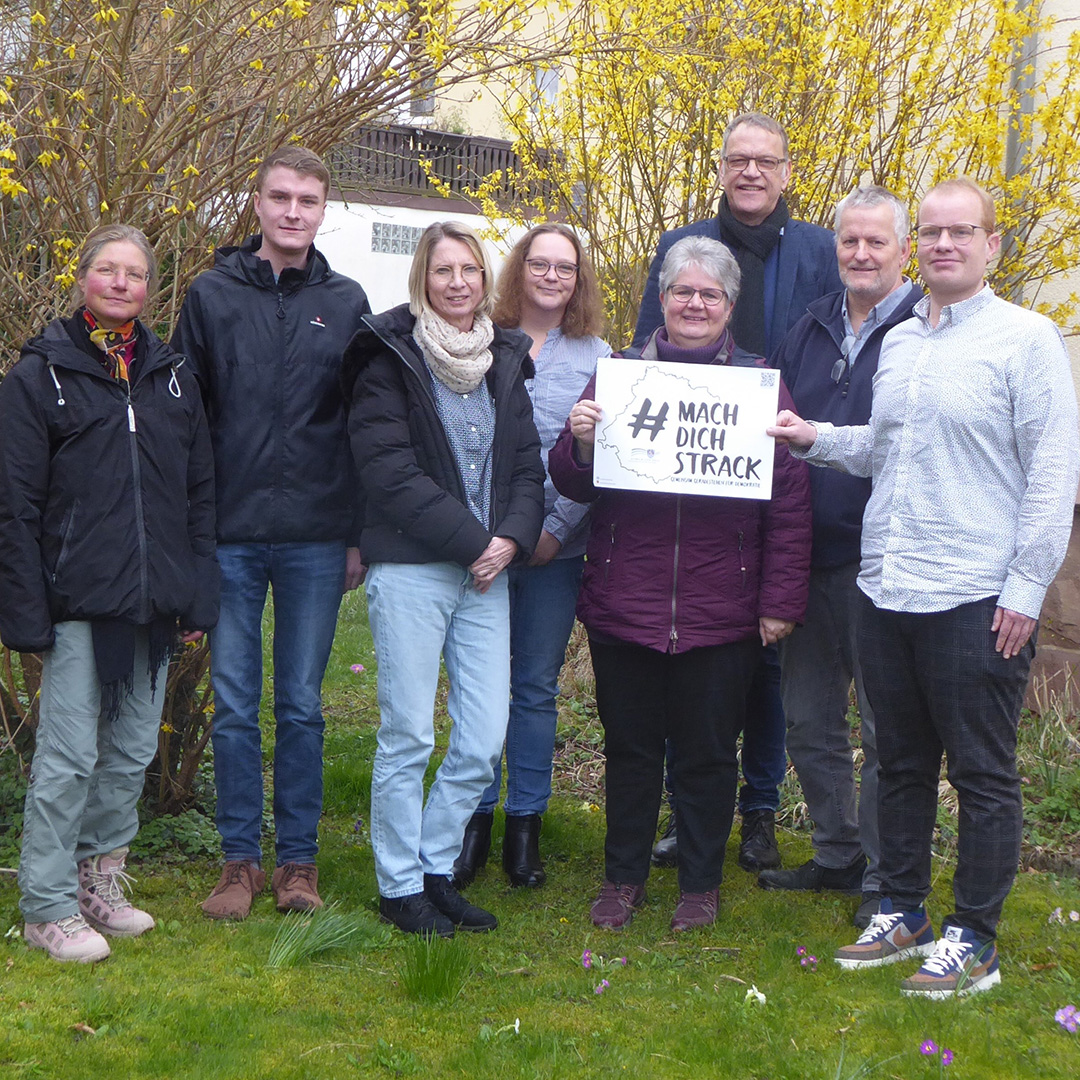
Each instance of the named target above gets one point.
<point>242,263</point>
<point>55,347</point>
<point>829,311</point>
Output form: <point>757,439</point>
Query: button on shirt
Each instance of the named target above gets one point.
<point>973,449</point>
<point>564,367</point>
<point>469,423</point>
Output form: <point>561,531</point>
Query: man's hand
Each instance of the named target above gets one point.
<point>494,559</point>
<point>547,547</point>
<point>791,428</point>
<point>772,630</point>
<point>1013,631</point>
<point>189,637</point>
<point>355,570</point>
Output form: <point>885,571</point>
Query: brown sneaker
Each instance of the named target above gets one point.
<point>696,909</point>
<point>615,906</point>
<point>296,887</point>
<point>239,884</point>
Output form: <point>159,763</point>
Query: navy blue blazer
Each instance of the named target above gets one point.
<point>801,268</point>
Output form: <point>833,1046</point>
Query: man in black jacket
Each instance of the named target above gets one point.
<point>828,360</point>
<point>265,330</point>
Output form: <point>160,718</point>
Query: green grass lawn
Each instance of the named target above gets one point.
<point>195,999</point>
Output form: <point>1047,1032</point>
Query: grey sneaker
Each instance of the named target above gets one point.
<point>101,896</point>
<point>67,939</point>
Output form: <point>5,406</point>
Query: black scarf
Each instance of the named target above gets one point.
<point>114,657</point>
<point>751,245</point>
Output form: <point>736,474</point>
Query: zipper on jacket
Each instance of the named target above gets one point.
<point>140,523</point>
<point>611,552</point>
<point>66,530</point>
<point>673,640</point>
<point>280,305</point>
<point>742,559</point>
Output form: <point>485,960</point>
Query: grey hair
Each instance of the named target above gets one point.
<point>710,255</point>
<point>113,233</point>
<point>874,195</point>
<point>758,120</point>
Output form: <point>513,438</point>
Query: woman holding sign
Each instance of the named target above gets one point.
<point>679,593</point>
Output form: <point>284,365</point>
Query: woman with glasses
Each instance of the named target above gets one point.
<point>679,594</point>
<point>106,551</point>
<point>548,290</point>
<point>448,460</point>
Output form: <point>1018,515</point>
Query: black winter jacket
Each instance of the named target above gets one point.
<point>805,358</point>
<point>268,358</point>
<point>106,500</point>
<point>416,509</point>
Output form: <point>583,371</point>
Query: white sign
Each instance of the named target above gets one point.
<point>688,428</point>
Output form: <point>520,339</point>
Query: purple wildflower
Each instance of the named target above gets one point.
<point>623,961</point>
<point>603,985</point>
<point>1068,1018</point>
<point>586,959</point>
<point>928,1047</point>
<point>801,950</point>
<point>946,1057</point>
<point>357,668</point>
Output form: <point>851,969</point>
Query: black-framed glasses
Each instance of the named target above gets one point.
<point>766,164</point>
<point>540,267</point>
<point>840,368</point>
<point>961,234</point>
<point>684,294</point>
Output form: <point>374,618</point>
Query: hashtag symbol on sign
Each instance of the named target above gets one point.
<point>652,424</point>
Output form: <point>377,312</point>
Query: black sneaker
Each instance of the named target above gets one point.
<point>758,850</point>
<point>665,852</point>
<point>813,877</point>
<point>455,907</point>
<point>871,904</point>
<point>415,914</point>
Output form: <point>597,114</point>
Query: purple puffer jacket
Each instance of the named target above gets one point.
<point>676,572</point>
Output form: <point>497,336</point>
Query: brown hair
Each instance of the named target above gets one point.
<point>96,239</point>
<point>300,160</point>
<point>447,230</point>
<point>962,183</point>
<point>584,314</point>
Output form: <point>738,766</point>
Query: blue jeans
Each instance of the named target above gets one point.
<point>307,580</point>
<point>87,772</point>
<point>417,613</point>
<point>542,603</point>
<point>764,759</point>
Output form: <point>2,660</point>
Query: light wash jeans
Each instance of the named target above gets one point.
<point>87,772</point>
<point>542,602</point>
<point>307,580</point>
<point>418,612</point>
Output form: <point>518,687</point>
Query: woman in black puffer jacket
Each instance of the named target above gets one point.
<point>106,549</point>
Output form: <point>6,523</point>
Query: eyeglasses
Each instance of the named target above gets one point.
<point>684,294</point>
<point>961,234</point>
<point>739,162</point>
<point>445,274</point>
<point>540,267</point>
<point>840,368</point>
<point>107,270</point>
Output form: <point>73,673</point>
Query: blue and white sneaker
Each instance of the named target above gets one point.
<point>959,964</point>
<point>891,936</point>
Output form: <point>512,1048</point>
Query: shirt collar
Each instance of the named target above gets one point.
<point>952,314</point>
<point>879,312</point>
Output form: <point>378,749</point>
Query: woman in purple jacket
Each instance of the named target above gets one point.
<point>679,593</point>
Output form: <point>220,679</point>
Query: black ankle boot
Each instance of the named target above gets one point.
<point>521,851</point>
<point>474,850</point>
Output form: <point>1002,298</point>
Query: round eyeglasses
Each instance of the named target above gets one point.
<point>684,294</point>
<point>540,267</point>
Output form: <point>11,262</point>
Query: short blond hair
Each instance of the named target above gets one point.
<point>448,230</point>
<point>962,183</point>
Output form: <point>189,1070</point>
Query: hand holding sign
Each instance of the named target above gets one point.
<point>584,417</point>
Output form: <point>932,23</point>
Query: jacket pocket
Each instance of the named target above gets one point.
<point>67,529</point>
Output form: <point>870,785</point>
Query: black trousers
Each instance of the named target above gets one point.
<point>697,700</point>
<point>936,684</point>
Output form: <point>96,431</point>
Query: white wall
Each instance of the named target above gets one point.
<point>346,240</point>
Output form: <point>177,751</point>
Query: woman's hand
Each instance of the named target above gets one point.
<point>189,637</point>
<point>772,630</point>
<point>791,428</point>
<point>494,559</point>
<point>547,547</point>
<point>584,417</point>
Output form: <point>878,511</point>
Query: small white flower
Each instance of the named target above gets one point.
<point>1074,916</point>
<point>517,1025</point>
<point>754,995</point>
<point>14,932</point>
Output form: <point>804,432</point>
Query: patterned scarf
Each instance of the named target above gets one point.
<point>118,345</point>
<point>459,359</point>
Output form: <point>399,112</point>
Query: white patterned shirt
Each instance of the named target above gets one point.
<point>973,449</point>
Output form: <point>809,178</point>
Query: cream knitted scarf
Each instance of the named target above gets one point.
<point>459,359</point>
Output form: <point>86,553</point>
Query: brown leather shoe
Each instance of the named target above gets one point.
<point>296,887</point>
<point>239,884</point>
<point>696,909</point>
<point>615,906</point>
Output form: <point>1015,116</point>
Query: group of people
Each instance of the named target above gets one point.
<point>444,449</point>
